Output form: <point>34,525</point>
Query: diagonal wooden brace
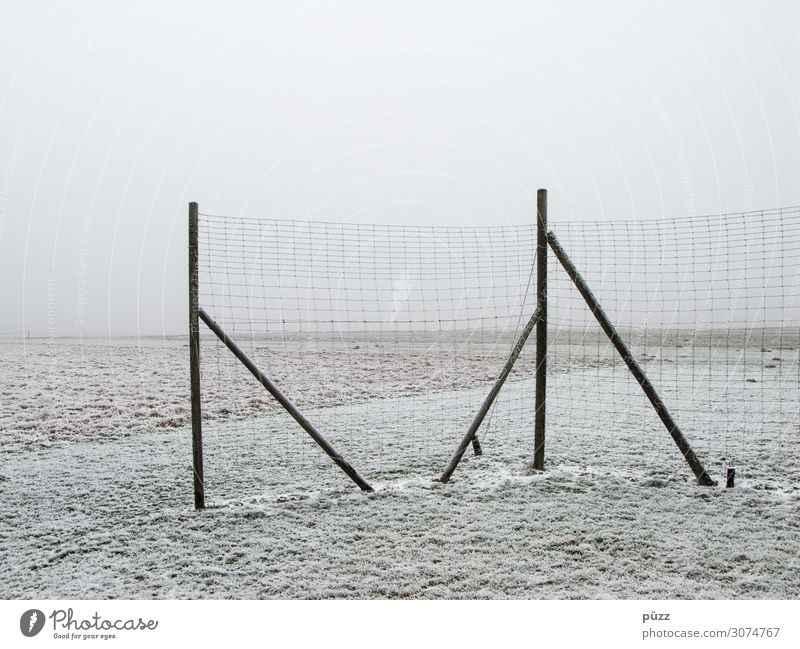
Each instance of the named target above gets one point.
<point>281,398</point>
<point>633,365</point>
<point>489,400</point>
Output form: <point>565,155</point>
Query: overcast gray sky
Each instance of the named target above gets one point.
<point>113,117</point>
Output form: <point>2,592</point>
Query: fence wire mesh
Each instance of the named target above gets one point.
<point>711,308</point>
<point>389,337</point>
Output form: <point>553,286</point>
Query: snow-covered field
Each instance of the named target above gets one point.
<point>96,500</point>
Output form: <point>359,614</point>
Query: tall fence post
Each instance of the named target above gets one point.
<point>194,362</point>
<point>541,329</point>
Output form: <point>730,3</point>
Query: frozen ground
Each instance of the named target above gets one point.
<point>95,486</point>
<point>61,389</point>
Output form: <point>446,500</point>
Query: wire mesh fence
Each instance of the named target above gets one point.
<point>711,308</point>
<point>386,337</point>
<point>389,337</point>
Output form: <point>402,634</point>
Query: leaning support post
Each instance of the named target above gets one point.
<point>487,403</point>
<point>284,401</point>
<point>194,363</point>
<point>541,329</point>
<point>476,446</point>
<point>702,476</point>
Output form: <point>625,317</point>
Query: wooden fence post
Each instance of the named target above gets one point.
<point>541,329</point>
<point>194,362</point>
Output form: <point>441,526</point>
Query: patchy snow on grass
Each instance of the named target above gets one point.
<point>96,491</point>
